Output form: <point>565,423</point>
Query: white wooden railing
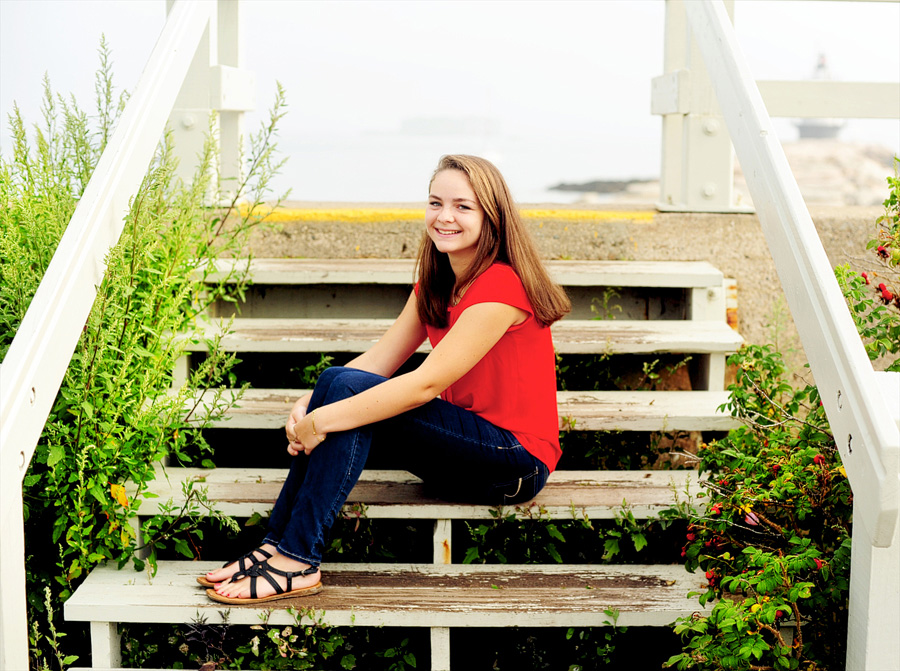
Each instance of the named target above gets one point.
<point>863,407</point>
<point>697,169</point>
<point>194,69</point>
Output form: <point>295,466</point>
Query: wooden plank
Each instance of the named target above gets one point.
<point>387,494</point>
<point>578,410</point>
<point>570,336</point>
<point>844,100</point>
<point>671,274</point>
<point>407,595</point>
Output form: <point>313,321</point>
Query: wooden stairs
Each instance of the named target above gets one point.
<point>299,305</point>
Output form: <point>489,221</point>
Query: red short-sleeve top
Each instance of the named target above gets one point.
<point>514,385</point>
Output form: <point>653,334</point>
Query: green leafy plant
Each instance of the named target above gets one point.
<point>117,416</point>
<point>774,537</point>
<point>874,293</point>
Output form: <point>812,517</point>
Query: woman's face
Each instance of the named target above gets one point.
<point>454,217</point>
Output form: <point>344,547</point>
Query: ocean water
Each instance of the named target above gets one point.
<point>396,167</point>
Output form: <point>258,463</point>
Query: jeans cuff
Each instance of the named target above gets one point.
<point>293,555</point>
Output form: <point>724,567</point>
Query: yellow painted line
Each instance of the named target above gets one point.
<point>590,215</point>
<point>381,215</point>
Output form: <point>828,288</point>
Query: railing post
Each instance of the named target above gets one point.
<point>874,616</point>
<point>233,94</point>
<point>13,619</point>
<point>189,119</point>
<point>217,83</point>
<point>697,168</point>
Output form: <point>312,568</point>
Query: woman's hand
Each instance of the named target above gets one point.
<point>300,429</point>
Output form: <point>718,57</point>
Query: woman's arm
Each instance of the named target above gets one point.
<point>384,358</point>
<point>476,331</point>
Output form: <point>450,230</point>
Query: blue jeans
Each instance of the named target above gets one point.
<point>459,456</point>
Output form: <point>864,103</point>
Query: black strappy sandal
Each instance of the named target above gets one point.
<point>263,570</point>
<point>242,568</point>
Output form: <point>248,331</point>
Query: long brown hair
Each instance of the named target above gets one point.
<point>503,238</point>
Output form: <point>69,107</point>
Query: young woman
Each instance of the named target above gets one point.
<point>486,303</point>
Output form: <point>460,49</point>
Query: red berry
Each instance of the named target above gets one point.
<point>716,509</point>
<point>882,251</point>
<point>819,563</point>
<point>865,276</point>
<point>779,614</point>
<point>818,460</point>
<point>691,537</point>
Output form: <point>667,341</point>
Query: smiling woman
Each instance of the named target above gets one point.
<point>453,218</point>
<point>486,303</point>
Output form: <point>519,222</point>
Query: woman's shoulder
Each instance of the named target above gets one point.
<point>499,280</point>
<point>500,272</point>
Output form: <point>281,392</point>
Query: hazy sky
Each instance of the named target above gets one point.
<point>567,83</point>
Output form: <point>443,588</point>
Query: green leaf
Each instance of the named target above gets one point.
<point>183,548</point>
<point>56,453</point>
<point>551,550</point>
<point>640,541</point>
<point>554,532</point>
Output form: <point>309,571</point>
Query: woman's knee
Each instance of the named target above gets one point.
<point>340,382</point>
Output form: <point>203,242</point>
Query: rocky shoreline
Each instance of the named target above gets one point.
<point>828,172</point>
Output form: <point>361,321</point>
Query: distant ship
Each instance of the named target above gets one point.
<point>819,129</point>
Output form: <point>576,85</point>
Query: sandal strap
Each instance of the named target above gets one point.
<point>263,570</point>
<point>251,556</point>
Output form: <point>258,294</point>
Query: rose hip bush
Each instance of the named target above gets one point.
<point>773,541</point>
<point>874,293</point>
<point>774,538</point>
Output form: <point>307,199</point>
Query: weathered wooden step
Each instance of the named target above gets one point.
<point>405,595</point>
<point>578,410</point>
<point>394,494</point>
<point>660,274</point>
<point>570,336</point>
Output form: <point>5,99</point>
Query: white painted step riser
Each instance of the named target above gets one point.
<point>569,336</point>
<point>651,274</point>
<point>578,411</point>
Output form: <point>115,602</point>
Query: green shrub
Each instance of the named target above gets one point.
<point>117,416</point>
<point>774,538</point>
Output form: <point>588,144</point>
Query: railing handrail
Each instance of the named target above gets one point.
<point>863,426</point>
<point>38,357</point>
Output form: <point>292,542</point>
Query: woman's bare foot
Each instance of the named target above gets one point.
<point>240,589</point>
<point>224,574</point>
